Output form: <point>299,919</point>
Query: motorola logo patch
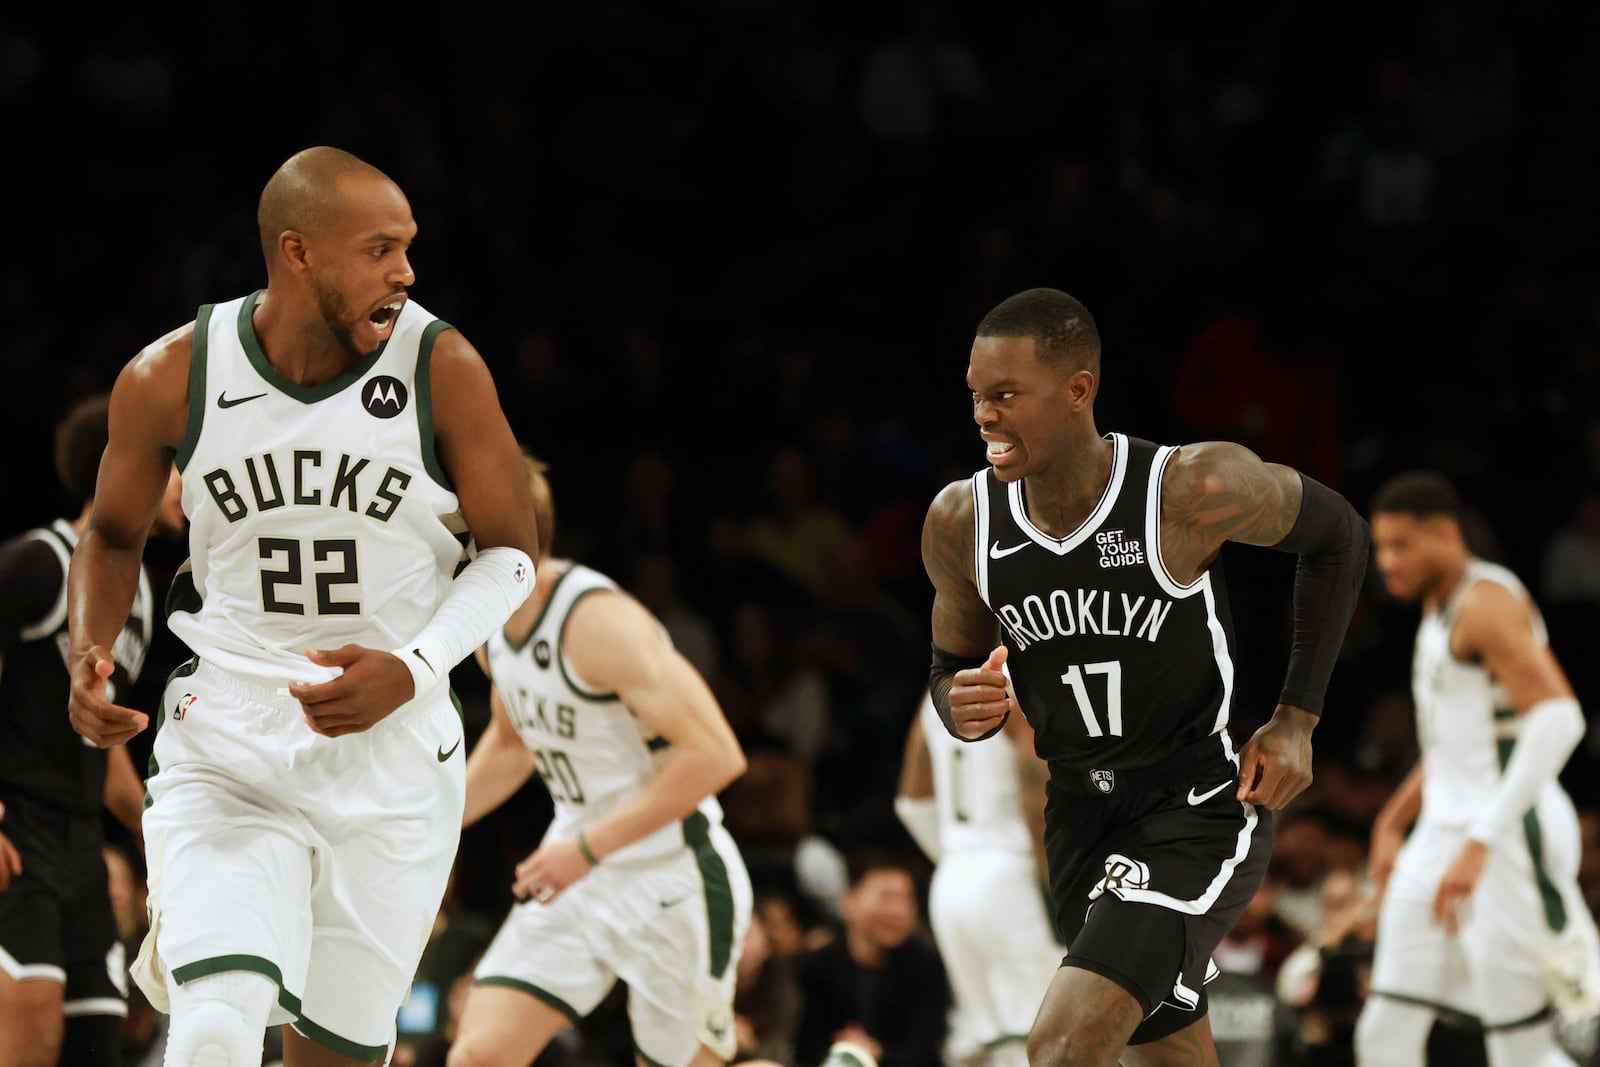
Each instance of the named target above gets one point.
<point>541,652</point>
<point>384,397</point>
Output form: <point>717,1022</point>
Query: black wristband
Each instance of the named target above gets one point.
<point>1332,541</point>
<point>941,676</point>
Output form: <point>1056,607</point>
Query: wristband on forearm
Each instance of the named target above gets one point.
<point>1331,539</point>
<point>1547,734</point>
<point>481,598</point>
<point>941,678</point>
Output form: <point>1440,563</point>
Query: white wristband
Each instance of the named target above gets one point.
<point>1547,734</point>
<point>423,677</point>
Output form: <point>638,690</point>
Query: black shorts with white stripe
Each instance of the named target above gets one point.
<point>55,918</point>
<point>1149,869</point>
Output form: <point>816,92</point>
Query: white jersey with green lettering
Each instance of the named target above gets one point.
<point>1466,725</point>
<point>319,515</point>
<point>975,788</point>
<point>592,752</point>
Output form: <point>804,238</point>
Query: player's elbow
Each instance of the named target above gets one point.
<point>723,763</point>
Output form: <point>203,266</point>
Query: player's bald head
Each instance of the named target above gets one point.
<point>308,191</point>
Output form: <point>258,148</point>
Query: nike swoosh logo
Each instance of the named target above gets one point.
<point>1207,795</point>
<point>224,402</point>
<point>443,755</point>
<point>671,903</point>
<point>996,552</point>
<point>417,652</point>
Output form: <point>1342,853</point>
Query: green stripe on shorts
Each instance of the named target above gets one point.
<point>719,890</point>
<point>1555,909</point>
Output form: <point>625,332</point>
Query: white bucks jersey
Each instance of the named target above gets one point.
<point>1466,726</point>
<point>975,790</point>
<point>319,515</point>
<point>592,753</point>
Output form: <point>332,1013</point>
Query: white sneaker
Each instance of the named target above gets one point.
<point>849,1054</point>
<point>1569,978</point>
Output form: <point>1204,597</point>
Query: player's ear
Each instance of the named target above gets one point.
<point>1081,388</point>
<point>293,248</point>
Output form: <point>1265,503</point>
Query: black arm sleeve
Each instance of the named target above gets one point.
<point>30,581</point>
<point>1332,540</point>
<point>941,676</point>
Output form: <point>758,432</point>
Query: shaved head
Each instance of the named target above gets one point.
<point>307,191</point>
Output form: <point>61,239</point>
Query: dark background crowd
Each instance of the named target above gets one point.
<point>725,259</point>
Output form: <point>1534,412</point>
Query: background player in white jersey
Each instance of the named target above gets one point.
<point>978,813</point>
<point>1481,911</point>
<point>635,879</point>
<point>337,445</point>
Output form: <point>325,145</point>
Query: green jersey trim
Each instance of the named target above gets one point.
<point>550,598</point>
<point>424,389</point>
<point>197,386</point>
<point>306,394</point>
<point>561,640</point>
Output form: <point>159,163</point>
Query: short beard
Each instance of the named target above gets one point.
<point>336,316</point>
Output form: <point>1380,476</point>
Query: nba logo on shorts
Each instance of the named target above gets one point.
<point>520,573</point>
<point>1105,781</point>
<point>184,705</point>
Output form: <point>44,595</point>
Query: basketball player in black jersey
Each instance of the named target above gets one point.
<point>1086,567</point>
<point>63,983</point>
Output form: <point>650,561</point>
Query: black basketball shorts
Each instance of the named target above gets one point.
<point>55,919</point>
<point>1149,869</point>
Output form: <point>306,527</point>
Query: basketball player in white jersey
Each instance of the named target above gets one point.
<point>338,447</point>
<point>969,808</point>
<point>1481,912</point>
<point>635,879</point>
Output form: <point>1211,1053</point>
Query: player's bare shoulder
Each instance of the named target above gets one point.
<point>151,394</point>
<point>1217,491</point>
<point>1488,613</point>
<point>947,535</point>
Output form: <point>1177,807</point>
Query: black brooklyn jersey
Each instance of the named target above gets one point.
<point>42,758</point>
<point>1115,664</point>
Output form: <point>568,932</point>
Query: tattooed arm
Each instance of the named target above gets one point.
<point>966,682</point>
<point>1216,492</point>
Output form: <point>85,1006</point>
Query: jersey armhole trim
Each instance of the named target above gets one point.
<point>424,384</point>
<point>577,684</point>
<point>51,621</point>
<point>1152,531</point>
<point>980,511</point>
<point>197,386</point>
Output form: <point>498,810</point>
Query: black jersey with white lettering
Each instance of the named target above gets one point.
<point>42,758</point>
<point>1115,664</point>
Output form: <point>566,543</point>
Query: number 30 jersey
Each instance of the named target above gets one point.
<point>319,515</point>
<point>1115,664</point>
<point>591,751</point>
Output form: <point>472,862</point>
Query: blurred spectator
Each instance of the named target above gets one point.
<point>768,812</point>
<point>767,1002</point>
<point>880,982</point>
<point>791,531</point>
<point>769,698</point>
<point>1325,979</point>
<point>655,583</point>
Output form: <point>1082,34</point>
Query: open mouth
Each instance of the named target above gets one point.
<point>383,316</point>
